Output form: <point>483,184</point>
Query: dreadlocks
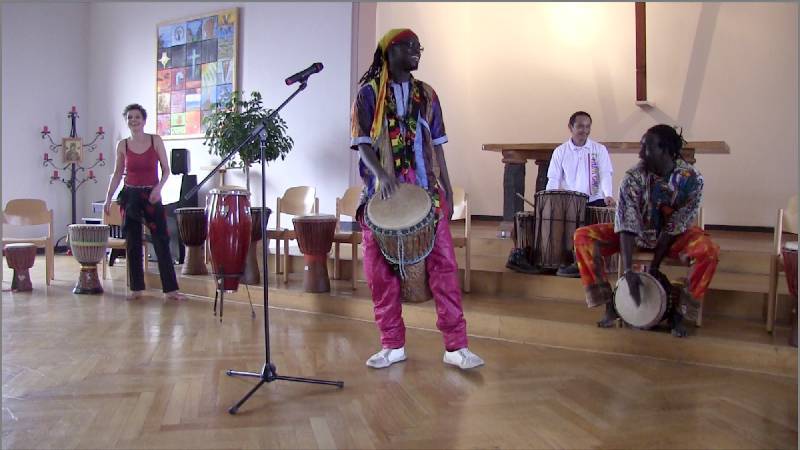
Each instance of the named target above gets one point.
<point>374,70</point>
<point>669,139</point>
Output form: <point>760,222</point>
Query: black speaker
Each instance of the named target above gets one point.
<point>179,162</point>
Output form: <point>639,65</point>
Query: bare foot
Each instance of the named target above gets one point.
<point>134,295</point>
<point>175,295</point>
<point>610,317</point>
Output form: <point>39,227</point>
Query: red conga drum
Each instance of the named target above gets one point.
<point>790,266</point>
<point>20,258</point>
<point>229,228</point>
<point>315,237</point>
<point>193,228</point>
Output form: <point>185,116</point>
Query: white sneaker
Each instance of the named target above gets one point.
<point>386,357</point>
<point>463,358</point>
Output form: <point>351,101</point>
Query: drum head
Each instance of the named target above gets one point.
<point>190,210</point>
<point>229,190</point>
<point>791,246</point>
<point>408,206</point>
<point>314,218</point>
<point>652,308</point>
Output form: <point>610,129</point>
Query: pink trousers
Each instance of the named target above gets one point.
<point>442,278</point>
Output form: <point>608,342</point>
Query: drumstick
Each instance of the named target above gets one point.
<point>525,199</point>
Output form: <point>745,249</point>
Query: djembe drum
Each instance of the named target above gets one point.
<point>20,257</point>
<point>655,302</point>
<point>404,227</point>
<point>88,244</point>
<point>558,215</point>
<point>315,238</point>
<point>229,228</point>
<point>789,252</point>
<point>252,275</point>
<point>193,228</point>
<point>603,214</point>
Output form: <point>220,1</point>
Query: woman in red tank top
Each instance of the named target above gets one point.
<point>138,157</point>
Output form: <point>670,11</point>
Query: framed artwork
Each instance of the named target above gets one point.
<point>73,150</point>
<point>196,69</point>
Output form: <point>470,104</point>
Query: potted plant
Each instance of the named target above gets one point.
<point>234,120</point>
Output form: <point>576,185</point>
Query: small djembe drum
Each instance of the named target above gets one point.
<point>88,244</point>
<point>193,228</point>
<point>315,238</point>
<point>655,302</point>
<point>252,275</point>
<point>20,258</point>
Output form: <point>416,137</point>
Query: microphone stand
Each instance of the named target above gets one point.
<point>268,372</point>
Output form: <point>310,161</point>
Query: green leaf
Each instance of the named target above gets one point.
<point>232,122</point>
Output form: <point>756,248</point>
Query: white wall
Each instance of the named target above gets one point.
<point>514,72</point>
<point>44,55</point>
<point>276,40</point>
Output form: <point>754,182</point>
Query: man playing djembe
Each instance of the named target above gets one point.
<point>659,199</point>
<point>398,130</point>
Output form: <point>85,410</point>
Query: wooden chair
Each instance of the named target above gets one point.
<point>461,212</point>
<point>641,256</point>
<point>296,201</point>
<point>30,212</point>
<point>347,205</point>
<point>786,223</point>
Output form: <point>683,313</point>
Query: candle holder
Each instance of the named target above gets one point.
<point>76,154</point>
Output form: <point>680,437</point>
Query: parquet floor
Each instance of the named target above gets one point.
<point>103,372</point>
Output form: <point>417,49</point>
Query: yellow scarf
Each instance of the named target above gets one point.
<point>391,37</point>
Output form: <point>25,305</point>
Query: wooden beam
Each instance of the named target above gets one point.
<point>641,53</point>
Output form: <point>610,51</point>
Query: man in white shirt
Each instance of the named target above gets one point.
<point>581,165</point>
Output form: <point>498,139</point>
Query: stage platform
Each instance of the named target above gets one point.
<point>550,311</point>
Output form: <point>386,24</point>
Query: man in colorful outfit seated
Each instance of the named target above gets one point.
<point>398,130</point>
<point>659,199</point>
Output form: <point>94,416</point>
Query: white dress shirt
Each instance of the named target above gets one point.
<point>584,169</point>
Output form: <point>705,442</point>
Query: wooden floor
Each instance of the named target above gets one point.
<point>103,372</point>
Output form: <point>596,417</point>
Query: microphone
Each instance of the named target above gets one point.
<point>302,76</point>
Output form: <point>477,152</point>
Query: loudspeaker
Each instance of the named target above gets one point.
<point>179,162</point>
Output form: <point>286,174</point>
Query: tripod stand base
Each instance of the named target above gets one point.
<point>269,375</point>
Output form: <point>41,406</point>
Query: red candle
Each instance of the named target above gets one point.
<point>46,157</point>
<point>73,109</point>
<point>100,156</point>
<point>91,174</point>
<point>55,174</point>
<point>100,130</point>
<point>45,129</point>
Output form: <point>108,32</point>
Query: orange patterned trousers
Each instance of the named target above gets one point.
<point>596,241</point>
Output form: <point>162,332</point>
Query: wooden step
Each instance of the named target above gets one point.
<point>723,342</point>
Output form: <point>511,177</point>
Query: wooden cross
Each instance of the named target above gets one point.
<point>641,54</point>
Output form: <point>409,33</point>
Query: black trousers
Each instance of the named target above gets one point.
<point>138,211</point>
